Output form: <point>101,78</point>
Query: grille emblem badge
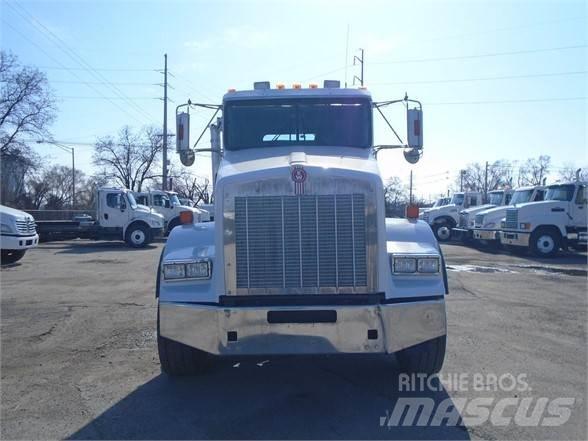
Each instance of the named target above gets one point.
<point>299,176</point>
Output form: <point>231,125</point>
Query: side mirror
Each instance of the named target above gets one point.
<point>182,132</point>
<point>414,128</point>
<point>123,206</point>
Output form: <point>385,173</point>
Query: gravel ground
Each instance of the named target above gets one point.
<point>79,357</point>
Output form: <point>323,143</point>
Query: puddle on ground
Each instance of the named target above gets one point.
<point>478,269</point>
<point>557,270</point>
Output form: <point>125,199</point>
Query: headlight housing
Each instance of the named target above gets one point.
<point>6,228</point>
<point>415,264</point>
<point>525,226</point>
<point>187,270</point>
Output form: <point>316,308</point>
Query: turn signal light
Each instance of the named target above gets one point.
<point>186,217</point>
<point>412,212</point>
<point>296,86</point>
<point>231,90</point>
<point>313,86</point>
<point>280,86</point>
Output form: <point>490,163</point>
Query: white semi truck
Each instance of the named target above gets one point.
<point>117,217</point>
<point>487,222</point>
<point>18,234</point>
<point>544,227</point>
<point>445,218</point>
<point>465,226</point>
<point>169,206</point>
<point>300,258</point>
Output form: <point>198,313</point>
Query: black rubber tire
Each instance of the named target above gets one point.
<point>137,227</point>
<point>178,359</point>
<point>425,358</point>
<point>437,226</point>
<point>12,256</point>
<point>173,223</point>
<point>551,233</point>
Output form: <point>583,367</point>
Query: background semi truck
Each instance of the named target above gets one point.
<point>487,222</point>
<point>18,234</point>
<point>300,258</point>
<point>445,218</point>
<point>544,227</point>
<point>117,217</point>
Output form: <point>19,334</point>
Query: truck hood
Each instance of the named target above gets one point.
<point>258,160</point>
<point>495,214</point>
<point>474,210</point>
<point>543,207</point>
<point>451,208</point>
<point>14,213</point>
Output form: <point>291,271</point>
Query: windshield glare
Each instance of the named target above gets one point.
<point>560,193</point>
<point>337,122</point>
<point>457,199</point>
<point>495,198</point>
<point>521,196</point>
<point>132,201</point>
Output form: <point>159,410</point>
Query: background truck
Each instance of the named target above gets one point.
<point>487,222</point>
<point>117,217</point>
<point>445,218</point>
<point>18,234</point>
<point>438,203</point>
<point>169,206</point>
<point>300,258</point>
<point>465,226</point>
<point>544,227</point>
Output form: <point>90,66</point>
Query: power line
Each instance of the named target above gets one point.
<point>538,100</point>
<point>76,97</point>
<point>504,77</point>
<point>493,54</point>
<point>102,83</point>
<point>101,69</point>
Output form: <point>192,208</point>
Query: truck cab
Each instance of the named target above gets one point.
<point>300,258</point>
<point>544,227</point>
<point>18,234</point>
<point>465,224</point>
<point>445,218</point>
<point>487,222</point>
<point>120,217</point>
<point>169,206</point>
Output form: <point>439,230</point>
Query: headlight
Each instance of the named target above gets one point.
<point>7,228</point>
<point>192,269</point>
<point>525,226</point>
<point>415,264</point>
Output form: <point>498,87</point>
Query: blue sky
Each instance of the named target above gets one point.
<point>498,79</point>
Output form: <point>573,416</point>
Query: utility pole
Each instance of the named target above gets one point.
<point>71,150</point>
<point>410,194</point>
<point>164,183</point>
<point>486,182</point>
<point>361,62</point>
<point>461,175</point>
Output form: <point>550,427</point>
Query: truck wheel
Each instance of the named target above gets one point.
<point>425,358</point>
<point>545,242</point>
<point>442,231</point>
<point>178,359</point>
<point>174,223</point>
<point>138,236</point>
<point>12,256</point>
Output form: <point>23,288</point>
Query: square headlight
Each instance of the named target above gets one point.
<point>173,271</point>
<point>404,265</point>
<point>428,265</point>
<point>198,270</point>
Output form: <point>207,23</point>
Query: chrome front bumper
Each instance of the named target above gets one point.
<point>381,328</point>
<point>486,234</point>
<point>514,238</point>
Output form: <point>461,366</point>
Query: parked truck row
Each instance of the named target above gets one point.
<point>538,219</point>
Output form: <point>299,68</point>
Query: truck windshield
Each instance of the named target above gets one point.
<point>174,199</point>
<point>495,198</point>
<point>560,192</point>
<point>457,199</point>
<point>521,196</point>
<point>315,122</point>
<point>132,201</point>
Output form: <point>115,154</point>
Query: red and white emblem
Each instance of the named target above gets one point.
<point>299,177</point>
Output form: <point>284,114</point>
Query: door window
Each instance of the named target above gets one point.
<point>113,200</point>
<point>158,200</point>
<point>581,196</point>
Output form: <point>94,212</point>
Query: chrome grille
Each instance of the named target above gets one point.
<point>479,221</point>
<point>307,241</point>
<point>26,227</point>
<point>512,218</point>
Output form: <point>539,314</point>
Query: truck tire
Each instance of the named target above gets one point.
<point>178,359</point>
<point>138,236</point>
<point>442,231</point>
<point>545,242</point>
<point>425,358</point>
<point>173,223</point>
<point>12,256</point>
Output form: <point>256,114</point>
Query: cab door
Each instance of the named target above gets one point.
<point>162,205</point>
<point>114,209</point>
<point>578,207</point>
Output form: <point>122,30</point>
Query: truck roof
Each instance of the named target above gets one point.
<point>296,93</point>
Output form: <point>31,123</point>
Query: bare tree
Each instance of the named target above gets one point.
<point>500,174</point>
<point>395,196</point>
<point>568,173</point>
<point>27,109</point>
<point>192,187</point>
<point>534,170</point>
<point>130,160</point>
